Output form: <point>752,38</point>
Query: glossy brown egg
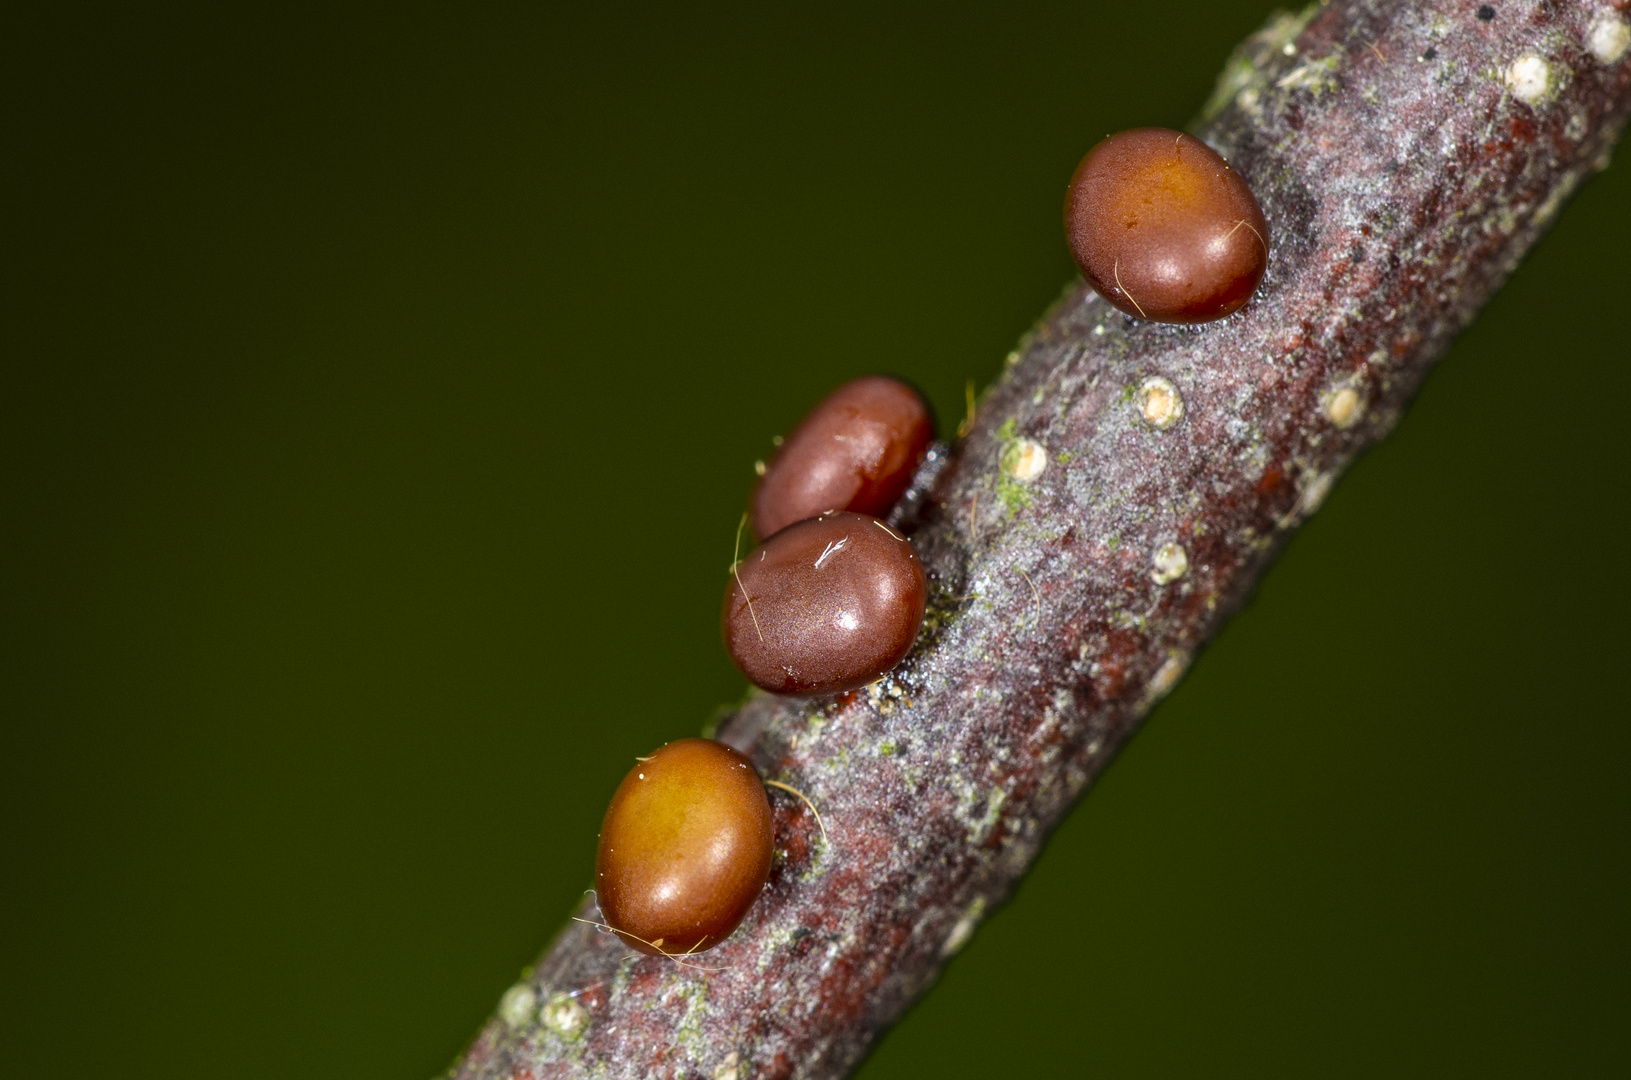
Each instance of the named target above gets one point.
<point>684,849</point>
<point>856,450</point>
<point>1164,229</point>
<point>827,604</point>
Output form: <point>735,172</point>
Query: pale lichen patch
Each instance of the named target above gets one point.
<point>1530,79</point>
<point>1560,194</point>
<point>564,1016</point>
<point>1315,488</point>
<point>993,811</point>
<point>1248,68</point>
<point>1169,563</point>
<point>688,1031</point>
<point>1314,494</point>
<point>1608,37</point>
<point>1159,403</point>
<point>1166,677</point>
<point>774,941</point>
<point>1316,76</point>
<point>516,1006</point>
<point>964,929</point>
<point>731,1068</point>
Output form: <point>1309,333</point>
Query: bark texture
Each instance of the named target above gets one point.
<point>1120,489</point>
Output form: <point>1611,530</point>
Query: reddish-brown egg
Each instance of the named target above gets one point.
<point>856,450</point>
<point>1164,229</point>
<point>684,849</point>
<point>827,604</point>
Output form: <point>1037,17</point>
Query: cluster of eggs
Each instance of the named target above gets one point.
<point>833,597</point>
<point>831,600</point>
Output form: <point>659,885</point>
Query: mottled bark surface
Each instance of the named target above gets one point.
<point>1122,486</point>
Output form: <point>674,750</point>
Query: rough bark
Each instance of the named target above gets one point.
<point>1406,155</point>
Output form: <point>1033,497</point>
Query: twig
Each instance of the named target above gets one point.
<point>1381,255</point>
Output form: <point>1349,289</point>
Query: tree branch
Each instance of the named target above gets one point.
<point>1406,155</point>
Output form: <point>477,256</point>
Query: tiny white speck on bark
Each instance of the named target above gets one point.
<point>1344,406</point>
<point>1609,37</point>
<point>564,1016</point>
<point>1529,78</point>
<point>1159,403</point>
<point>1170,563</point>
<point>1314,494</point>
<point>1024,460</point>
<point>964,929</point>
<point>515,1007</point>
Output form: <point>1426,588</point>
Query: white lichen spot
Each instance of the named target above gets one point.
<point>563,1016</point>
<point>1609,37</point>
<point>1024,460</point>
<point>1159,403</point>
<point>1170,563</point>
<point>516,1006</point>
<point>1529,78</point>
<point>732,1068</point>
<point>964,929</point>
<point>1343,403</point>
<point>1011,359</point>
<point>1098,331</point>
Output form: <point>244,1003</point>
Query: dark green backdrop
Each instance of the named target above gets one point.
<point>380,394</point>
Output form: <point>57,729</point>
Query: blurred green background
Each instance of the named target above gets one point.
<point>380,394</point>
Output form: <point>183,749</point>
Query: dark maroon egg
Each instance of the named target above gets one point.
<point>1162,227</point>
<point>827,604</point>
<point>856,450</point>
